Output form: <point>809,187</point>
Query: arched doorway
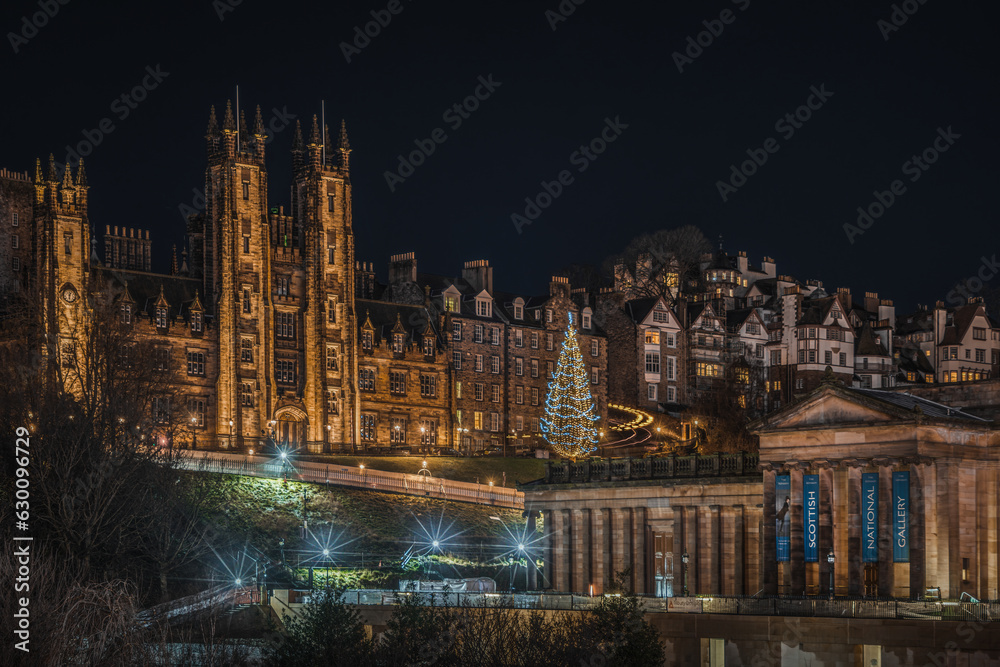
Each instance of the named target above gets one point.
<point>291,428</point>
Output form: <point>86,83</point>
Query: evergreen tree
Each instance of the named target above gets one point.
<point>570,413</point>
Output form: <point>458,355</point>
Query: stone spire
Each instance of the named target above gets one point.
<point>81,175</point>
<point>345,148</point>
<point>297,143</point>
<point>228,122</point>
<point>213,125</point>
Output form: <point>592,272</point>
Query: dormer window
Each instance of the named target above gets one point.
<point>429,346</point>
<point>195,322</point>
<point>126,314</point>
<point>586,320</point>
<point>484,307</point>
<point>367,341</point>
<point>548,316</point>
<point>518,312</point>
<point>397,343</point>
<point>161,317</point>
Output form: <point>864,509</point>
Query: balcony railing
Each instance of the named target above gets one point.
<point>667,467</point>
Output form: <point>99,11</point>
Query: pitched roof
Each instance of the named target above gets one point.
<point>868,344</point>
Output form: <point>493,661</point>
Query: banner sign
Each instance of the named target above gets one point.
<point>869,517</point>
<point>810,514</point>
<point>782,518</point>
<point>901,517</point>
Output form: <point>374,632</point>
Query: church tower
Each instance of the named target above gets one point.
<point>61,247</point>
<point>237,276</point>
<point>321,206</point>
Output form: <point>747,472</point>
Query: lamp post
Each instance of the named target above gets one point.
<point>684,560</point>
<point>326,560</point>
<point>830,559</point>
<point>423,440</point>
<point>230,434</point>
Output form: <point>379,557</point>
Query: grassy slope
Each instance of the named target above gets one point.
<point>462,469</point>
<point>266,510</point>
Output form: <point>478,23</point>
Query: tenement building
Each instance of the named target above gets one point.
<point>878,493</point>
<point>270,327</point>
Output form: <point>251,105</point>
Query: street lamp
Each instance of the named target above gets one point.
<point>830,559</point>
<point>684,559</point>
<point>230,434</point>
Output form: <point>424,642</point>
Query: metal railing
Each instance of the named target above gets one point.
<point>366,478</point>
<point>665,467</point>
<point>736,605</point>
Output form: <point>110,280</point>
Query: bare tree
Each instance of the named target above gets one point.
<point>674,259</point>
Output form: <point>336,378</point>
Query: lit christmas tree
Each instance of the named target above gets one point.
<point>570,413</point>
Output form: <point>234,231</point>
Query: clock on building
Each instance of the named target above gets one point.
<point>69,294</point>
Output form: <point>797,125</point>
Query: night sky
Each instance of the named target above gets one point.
<point>556,89</point>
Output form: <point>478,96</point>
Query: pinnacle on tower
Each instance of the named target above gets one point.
<point>258,126</point>
<point>326,136</point>
<point>173,260</point>
<point>345,145</point>
<point>297,143</point>
<point>244,129</point>
<point>229,123</point>
<point>52,168</point>
<point>314,139</point>
<point>67,182</point>
<point>213,125</point>
<point>38,170</point>
<point>81,175</point>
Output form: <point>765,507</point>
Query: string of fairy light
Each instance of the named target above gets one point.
<point>570,413</point>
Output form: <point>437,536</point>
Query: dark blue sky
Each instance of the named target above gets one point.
<point>557,87</point>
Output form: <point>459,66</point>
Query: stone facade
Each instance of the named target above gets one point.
<point>929,521</point>
<point>271,328</point>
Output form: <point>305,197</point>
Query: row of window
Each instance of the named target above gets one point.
<point>948,353</point>
<point>653,337</point>
<point>809,356</point>
<point>367,381</point>
<point>398,430</point>
<point>653,393</point>
<point>813,332</point>
<point>653,365</point>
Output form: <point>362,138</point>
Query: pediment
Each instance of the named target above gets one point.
<point>830,407</point>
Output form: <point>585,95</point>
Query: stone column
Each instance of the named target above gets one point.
<point>740,550</point>
<point>532,555</point>
<point>769,568</point>
<point>617,543</point>
<point>851,525</point>
<point>579,582</point>
<point>561,535</point>
<point>918,562</point>
<point>730,555</point>
<point>797,555</point>
<point>928,477</point>
<point>548,546</point>
<point>708,549</point>
<point>691,546</point>
<point>753,525</point>
<point>886,511</point>
<point>596,550</point>
<point>638,549</point>
<point>826,543</point>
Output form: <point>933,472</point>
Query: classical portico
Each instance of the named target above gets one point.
<point>603,517</point>
<point>900,490</point>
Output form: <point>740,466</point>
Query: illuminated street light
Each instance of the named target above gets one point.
<point>435,544</point>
